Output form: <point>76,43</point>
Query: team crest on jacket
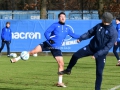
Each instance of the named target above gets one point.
<point>84,48</point>
<point>106,32</point>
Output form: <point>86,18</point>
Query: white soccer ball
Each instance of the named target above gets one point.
<point>35,55</point>
<point>24,55</point>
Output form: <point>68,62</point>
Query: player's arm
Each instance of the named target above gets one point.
<point>72,34</point>
<point>88,34</point>
<point>10,35</point>
<point>48,31</point>
<point>108,46</point>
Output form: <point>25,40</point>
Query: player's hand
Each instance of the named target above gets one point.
<point>93,57</point>
<point>51,42</point>
<point>115,43</point>
<point>78,40</point>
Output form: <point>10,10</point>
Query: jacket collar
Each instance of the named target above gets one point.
<point>61,23</point>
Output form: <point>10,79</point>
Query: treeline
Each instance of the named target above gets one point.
<point>100,5</point>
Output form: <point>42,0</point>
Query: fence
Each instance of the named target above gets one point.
<point>74,15</point>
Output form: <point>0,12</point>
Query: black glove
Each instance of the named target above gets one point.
<point>3,40</point>
<point>51,41</point>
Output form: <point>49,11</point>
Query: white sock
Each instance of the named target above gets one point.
<point>17,58</point>
<point>60,79</point>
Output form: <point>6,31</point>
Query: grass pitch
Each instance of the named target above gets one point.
<point>40,73</point>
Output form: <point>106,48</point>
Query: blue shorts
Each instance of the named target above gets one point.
<point>46,47</point>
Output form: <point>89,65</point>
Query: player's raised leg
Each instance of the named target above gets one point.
<point>34,51</point>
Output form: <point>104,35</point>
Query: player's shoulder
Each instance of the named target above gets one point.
<point>99,24</point>
<point>67,25</point>
<point>3,28</point>
<point>55,23</point>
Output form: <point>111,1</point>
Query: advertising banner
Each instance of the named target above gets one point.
<point>26,34</point>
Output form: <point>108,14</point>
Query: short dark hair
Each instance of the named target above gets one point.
<point>61,13</point>
<point>118,18</point>
<point>7,23</point>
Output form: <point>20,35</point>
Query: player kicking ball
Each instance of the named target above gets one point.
<point>55,36</point>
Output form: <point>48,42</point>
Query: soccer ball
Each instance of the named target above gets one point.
<point>14,55</point>
<point>24,55</point>
<point>35,55</point>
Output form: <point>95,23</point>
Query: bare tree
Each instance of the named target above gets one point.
<point>100,8</point>
<point>43,10</point>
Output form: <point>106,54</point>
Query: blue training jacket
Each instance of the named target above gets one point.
<point>104,37</point>
<point>118,30</point>
<point>6,34</point>
<point>58,32</point>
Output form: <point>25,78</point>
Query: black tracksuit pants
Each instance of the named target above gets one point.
<point>8,46</point>
<point>115,50</point>
<point>100,62</point>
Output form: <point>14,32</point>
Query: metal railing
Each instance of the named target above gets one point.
<point>74,15</point>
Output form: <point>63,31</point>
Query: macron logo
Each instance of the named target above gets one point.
<point>26,35</point>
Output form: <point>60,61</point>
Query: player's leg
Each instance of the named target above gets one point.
<point>37,49</point>
<point>85,51</point>
<point>8,48</point>
<point>58,57</point>
<point>100,63</point>
<point>60,62</point>
<point>2,46</point>
<point>115,53</point>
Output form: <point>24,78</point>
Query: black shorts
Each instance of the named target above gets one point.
<point>46,47</point>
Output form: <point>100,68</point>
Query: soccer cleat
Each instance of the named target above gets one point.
<point>60,85</point>
<point>13,60</point>
<point>8,55</point>
<point>118,64</point>
<point>68,72</point>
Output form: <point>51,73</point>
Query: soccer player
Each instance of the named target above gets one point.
<point>6,37</point>
<point>55,35</point>
<point>104,35</point>
<point>117,43</point>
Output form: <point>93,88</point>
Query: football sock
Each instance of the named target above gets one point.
<point>60,79</point>
<point>17,58</point>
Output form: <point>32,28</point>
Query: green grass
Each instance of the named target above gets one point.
<point>40,73</point>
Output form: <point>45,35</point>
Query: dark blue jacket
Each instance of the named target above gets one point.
<point>58,32</point>
<point>118,30</point>
<point>104,37</point>
<point>6,34</point>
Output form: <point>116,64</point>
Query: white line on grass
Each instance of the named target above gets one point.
<point>114,88</point>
